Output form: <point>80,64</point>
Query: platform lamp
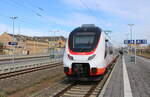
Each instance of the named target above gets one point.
<point>131,32</point>
<point>13,20</point>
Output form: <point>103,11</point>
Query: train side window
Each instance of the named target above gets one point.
<point>110,50</point>
<point>106,48</point>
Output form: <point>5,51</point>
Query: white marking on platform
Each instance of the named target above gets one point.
<point>144,59</point>
<point>127,87</point>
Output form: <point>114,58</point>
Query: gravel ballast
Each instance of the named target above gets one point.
<point>27,84</point>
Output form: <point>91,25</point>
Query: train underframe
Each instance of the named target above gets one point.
<point>83,72</point>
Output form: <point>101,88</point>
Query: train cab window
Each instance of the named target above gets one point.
<point>83,40</point>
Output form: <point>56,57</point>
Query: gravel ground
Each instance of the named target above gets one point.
<point>145,55</point>
<point>22,86</point>
<point>52,89</point>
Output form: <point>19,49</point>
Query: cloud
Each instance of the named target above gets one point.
<point>76,19</point>
<point>120,13</point>
<point>32,32</point>
<point>24,31</point>
<point>124,8</point>
<point>5,28</point>
<point>142,32</point>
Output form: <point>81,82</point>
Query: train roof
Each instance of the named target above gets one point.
<point>87,27</point>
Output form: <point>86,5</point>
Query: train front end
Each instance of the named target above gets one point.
<point>84,53</point>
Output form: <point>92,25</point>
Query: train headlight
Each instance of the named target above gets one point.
<point>91,57</point>
<point>70,57</point>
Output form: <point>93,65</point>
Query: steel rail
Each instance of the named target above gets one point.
<point>94,90</point>
<point>9,59</point>
<point>29,70</point>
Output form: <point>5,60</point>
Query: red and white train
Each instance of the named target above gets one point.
<point>88,53</point>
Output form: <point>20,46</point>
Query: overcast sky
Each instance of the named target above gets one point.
<point>39,17</point>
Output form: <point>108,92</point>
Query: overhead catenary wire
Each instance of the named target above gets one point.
<point>28,6</point>
<point>89,10</point>
<point>35,12</point>
<point>44,13</point>
<point>18,5</point>
<point>23,19</point>
<point>20,19</point>
<point>21,5</point>
<point>92,14</point>
<point>8,3</point>
<point>34,6</point>
<point>2,15</point>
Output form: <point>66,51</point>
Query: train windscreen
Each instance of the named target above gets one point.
<point>81,40</point>
<point>84,40</point>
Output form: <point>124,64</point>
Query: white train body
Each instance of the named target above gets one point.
<point>87,52</point>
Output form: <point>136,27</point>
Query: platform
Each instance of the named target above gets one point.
<point>130,79</point>
<point>115,85</point>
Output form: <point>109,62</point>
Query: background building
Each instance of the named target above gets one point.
<point>30,45</point>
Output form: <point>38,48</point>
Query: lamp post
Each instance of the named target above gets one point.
<point>13,20</point>
<point>54,43</point>
<point>55,31</point>
<point>131,25</point>
<point>127,44</point>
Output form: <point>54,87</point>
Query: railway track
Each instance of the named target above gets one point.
<point>29,70</point>
<point>77,90</point>
<point>91,89</point>
<point>8,59</point>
